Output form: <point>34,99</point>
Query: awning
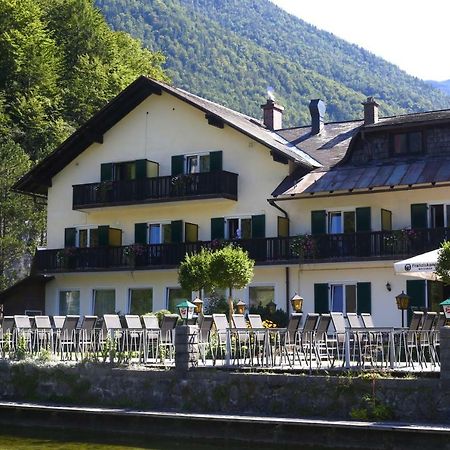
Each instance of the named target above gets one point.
<point>420,266</point>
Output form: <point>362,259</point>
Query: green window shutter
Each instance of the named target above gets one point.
<point>217,228</point>
<point>215,161</point>
<point>106,172</point>
<point>363,222</point>
<point>416,290</point>
<point>140,233</point>
<point>363,298</point>
<point>321,298</point>
<point>70,236</point>
<point>177,164</point>
<point>141,169</point>
<point>259,226</point>
<point>419,215</point>
<point>103,235</point>
<point>177,231</point>
<point>318,222</point>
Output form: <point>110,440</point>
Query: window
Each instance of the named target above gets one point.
<point>124,171</point>
<point>211,298</point>
<point>104,302</point>
<point>341,222</point>
<point>343,298</point>
<point>197,163</point>
<point>407,143</point>
<point>140,301</point>
<point>261,295</point>
<point>69,302</point>
<point>238,228</point>
<point>175,296</point>
<point>159,233</point>
<point>439,216</point>
<point>87,237</point>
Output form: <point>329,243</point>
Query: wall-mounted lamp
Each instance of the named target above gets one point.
<point>388,286</point>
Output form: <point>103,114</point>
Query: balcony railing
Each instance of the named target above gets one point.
<point>218,184</point>
<point>305,249</point>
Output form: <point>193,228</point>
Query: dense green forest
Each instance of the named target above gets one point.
<point>59,63</point>
<point>444,86</point>
<point>230,51</point>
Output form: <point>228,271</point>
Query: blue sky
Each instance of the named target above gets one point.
<point>414,35</point>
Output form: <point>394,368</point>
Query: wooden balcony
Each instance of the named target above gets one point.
<point>218,184</point>
<point>366,246</point>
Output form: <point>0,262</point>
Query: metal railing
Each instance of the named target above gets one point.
<point>215,184</point>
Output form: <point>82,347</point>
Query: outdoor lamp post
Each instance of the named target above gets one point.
<point>446,306</point>
<point>297,303</point>
<point>240,307</point>
<point>186,310</point>
<point>402,304</point>
<point>198,302</point>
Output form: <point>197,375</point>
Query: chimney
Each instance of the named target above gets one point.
<point>272,115</point>
<point>317,110</point>
<point>370,111</point>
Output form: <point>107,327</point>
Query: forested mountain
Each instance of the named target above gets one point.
<point>59,63</point>
<point>230,51</point>
<point>444,86</point>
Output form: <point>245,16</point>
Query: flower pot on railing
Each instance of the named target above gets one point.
<point>400,242</point>
<point>67,258</point>
<point>304,246</point>
<point>134,255</point>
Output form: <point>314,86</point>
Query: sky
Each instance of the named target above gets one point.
<point>414,34</point>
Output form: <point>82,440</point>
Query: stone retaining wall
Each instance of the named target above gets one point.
<point>219,391</point>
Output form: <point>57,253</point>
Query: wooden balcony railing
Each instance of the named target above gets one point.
<point>218,184</point>
<point>304,249</point>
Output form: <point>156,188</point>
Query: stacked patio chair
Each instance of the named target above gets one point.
<point>57,322</point>
<point>43,334</point>
<point>204,337</point>
<point>66,337</point>
<point>23,333</point>
<point>221,335</point>
<point>244,346</point>
<point>291,340</point>
<point>410,339</point>
<point>87,336</point>
<point>321,346</point>
<point>338,340</point>
<point>262,340</point>
<point>112,335</point>
<point>152,334</point>
<point>167,340</point>
<point>134,339</point>
<point>440,322</point>
<point>6,335</point>
<point>367,320</point>
<point>426,340</point>
<point>307,350</point>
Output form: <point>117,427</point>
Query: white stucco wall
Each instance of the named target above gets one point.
<point>158,128</point>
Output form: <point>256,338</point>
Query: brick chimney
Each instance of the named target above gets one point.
<point>317,110</point>
<point>370,111</point>
<point>272,115</point>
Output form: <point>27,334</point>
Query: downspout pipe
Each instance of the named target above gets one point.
<point>271,202</point>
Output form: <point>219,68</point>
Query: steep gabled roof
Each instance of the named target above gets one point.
<point>37,180</point>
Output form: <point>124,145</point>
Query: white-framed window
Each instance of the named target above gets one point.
<point>238,227</point>
<point>343,297</point>
<point>175,295</point>
<point>87,237</point>
<point>159,233</point>
<point>197,163</point>
<point>261,295</point>
<point>140,300</point>
<point>438,215</point>
<point>341,221</point>
<point>103,302</point>
<point>69,302</point>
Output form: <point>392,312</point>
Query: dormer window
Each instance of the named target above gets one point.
<point>407,143</point>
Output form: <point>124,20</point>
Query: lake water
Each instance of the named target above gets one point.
<point>21,439</point>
